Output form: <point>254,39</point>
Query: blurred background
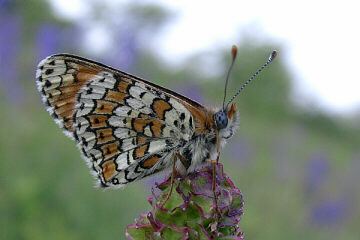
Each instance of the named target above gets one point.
<point>296,156</point>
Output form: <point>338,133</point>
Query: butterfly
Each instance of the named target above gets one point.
<point>128,128</point>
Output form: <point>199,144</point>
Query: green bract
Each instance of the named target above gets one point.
<point>190,211</point>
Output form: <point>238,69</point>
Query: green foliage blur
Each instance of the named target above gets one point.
<point>298,169</point>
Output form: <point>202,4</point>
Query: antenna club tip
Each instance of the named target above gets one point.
<point>234,50</point>
<point>273,55</point>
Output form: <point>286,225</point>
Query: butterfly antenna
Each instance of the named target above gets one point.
<point>272,57</point>
<point>233,53</point>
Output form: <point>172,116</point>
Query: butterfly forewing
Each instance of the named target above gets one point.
<point>59,82</point>
<point>126,127</point>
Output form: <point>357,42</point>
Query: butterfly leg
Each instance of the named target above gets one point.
<point>183,161</point>
<point>220,166</point>
<point>213,164</point>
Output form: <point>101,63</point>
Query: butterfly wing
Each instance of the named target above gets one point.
<point>126,128</point>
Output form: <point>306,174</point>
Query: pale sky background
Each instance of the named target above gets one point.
<point>321,39</point>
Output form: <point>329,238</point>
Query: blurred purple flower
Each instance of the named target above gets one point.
<point>48,40</point>
<point>317,171</point>
<point>191,91</point>
<point>4,4</point>
<point>71,39</point>
<point>329,212</point>
<point>125,52</point>
<point>10,32</point>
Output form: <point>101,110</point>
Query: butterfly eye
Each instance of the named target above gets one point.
<point>221,120</point>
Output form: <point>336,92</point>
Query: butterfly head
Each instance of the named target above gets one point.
<point>226,121</point>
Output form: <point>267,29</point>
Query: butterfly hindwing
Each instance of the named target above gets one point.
<point>125,127</point>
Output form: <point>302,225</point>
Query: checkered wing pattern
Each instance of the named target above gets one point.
<point>126,128</point>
